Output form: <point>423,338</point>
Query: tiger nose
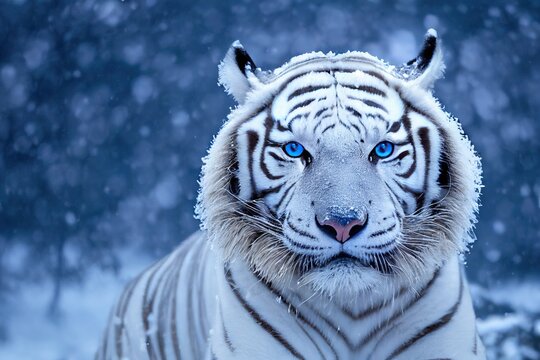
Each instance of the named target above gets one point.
<point>342,228</point>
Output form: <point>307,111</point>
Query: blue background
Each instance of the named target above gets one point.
<point>106,108</point>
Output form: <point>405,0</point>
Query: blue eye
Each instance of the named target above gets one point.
<point>294,149</point>
<point>384,149</point>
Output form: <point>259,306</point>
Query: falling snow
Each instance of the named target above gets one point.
<point>106,108</point>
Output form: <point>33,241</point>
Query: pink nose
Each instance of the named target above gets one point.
<point>343,228</point>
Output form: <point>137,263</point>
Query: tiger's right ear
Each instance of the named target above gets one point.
<point>237,72</point>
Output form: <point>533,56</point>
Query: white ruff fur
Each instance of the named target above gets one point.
<point>262,280</point>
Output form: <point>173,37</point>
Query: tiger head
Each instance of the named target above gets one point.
<point>339,172</point>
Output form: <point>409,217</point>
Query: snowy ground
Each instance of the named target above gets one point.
<point>509,319</point>
<point>75,336</point>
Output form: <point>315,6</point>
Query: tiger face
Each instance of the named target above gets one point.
<point>342,172</point>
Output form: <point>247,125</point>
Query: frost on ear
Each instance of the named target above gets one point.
<point>428,66</point>
<point>235,72</point>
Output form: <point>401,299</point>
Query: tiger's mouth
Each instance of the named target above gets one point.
<point>380,262</point>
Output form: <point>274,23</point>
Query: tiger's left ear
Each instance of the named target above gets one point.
<point>237,72</point>
<point>428,66</point>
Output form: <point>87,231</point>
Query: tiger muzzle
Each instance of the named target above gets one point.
<point>342,224</point>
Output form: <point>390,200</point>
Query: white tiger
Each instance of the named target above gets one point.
<point>334,203</point>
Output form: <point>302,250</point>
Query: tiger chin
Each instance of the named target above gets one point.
<point>335,204</point>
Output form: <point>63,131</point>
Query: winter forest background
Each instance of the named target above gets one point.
<point>107,106</point>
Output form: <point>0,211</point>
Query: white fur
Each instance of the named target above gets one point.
<point>218,326</point>
<point>238,289</point>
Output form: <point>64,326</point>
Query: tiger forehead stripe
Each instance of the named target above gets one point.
<point>324,89</point>
<point>311,71</point>
<point>314,81</point>
<point>319,60</point>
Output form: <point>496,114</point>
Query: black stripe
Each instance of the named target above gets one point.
<point>320,121</point>
<point>370,103</point>
<point>357,128</point>
<point>348,127</point>
<point>270,190</point>
<point>373,309</point>
<point>267,172</point>
<point>278,158</point>
<point>376,75</point>
<point>475,344</point>
<point>289,200</point>
<point>371,89</point>
<point>253,139</point>
<point>163,311</point>
<point>423,134</point>
<point>405,142</point>
<point>191,304</point>
<point>328,128</point>
<point>334,327</point>
<point>315,342</point>
<point>354,112</point>
<point>382,232</point>
<point>174,330</point>
<point>407,124</point>
<point>444,167</point>
<point>147,310</point>
<point>289,82</point>
<point>268,124</point>
<point>409,171</point>
<point>395,127</point>
<point>226,337</point>
<point>318,113</point>
<point>284,195</point>
<point>190,318</point>
<point>308,72</point>
<point>402,155</point>
<point>234,182</point>
<point>411,107</point>
<point>365,88</point>
<point>258,318</point>
<point>296,117</point>
<point>376,116</point>
<point>298,314</point>
<point>299,231</point>
<point>305,90</point>
<point>303,246</point>
<point>418,195</point>
<point>436,325</point>
<point>280,127</point>
<point>302,104</point>
<point>201,274</point>
<point>399,312</point>
<point>396,159</point>
<point>381,246</point>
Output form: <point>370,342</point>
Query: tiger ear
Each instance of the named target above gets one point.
<point>428,66</point>
<point>237,72</point>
